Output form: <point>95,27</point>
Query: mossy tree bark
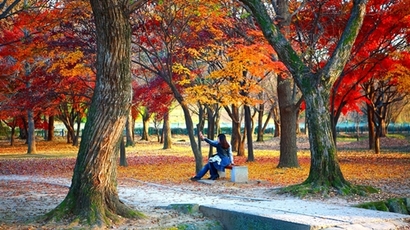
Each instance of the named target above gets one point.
<point>325,172</point>
<point>93,198</point>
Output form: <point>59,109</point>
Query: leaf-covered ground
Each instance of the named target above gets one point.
<point>148,162</point>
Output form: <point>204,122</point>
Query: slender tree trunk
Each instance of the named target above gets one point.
<point>31,137</point>
<point>129,130</point>
<point>123,157</point>
<point>211,128</point>
<point>12,138</point>
<point>76,135</point>
<point>166,132</point>
<point>259,137</point>
<point>249,133</point>
<point>93,197</point>
<point>190,128</point>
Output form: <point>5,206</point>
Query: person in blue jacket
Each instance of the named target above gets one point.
<point>217,162</point>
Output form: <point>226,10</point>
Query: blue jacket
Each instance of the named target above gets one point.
<point>225,160</point>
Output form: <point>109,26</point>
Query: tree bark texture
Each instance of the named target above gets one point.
<point>236,142</point>
<point>259,137</point>
<point>129,130</point>
<point>324,169</point>
<point>166,132</point>
<point>31,137</point>
<point>145,125</point>
<point>288,119</point>
<point>93,198</point>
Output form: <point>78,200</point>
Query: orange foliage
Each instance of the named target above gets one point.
<point>358,167</point>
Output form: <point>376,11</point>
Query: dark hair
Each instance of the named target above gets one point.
<point>222,140</point>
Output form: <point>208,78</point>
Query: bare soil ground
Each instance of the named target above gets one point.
<point>22,200</point>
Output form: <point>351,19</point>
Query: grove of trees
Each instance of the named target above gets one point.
<point>110,61</point>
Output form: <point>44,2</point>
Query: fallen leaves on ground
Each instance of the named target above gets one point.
<point>360,167</point>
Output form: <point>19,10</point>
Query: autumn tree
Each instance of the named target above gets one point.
<point>387,87</point>
<point>325,172</point>
<point>165,34</point>
<point>384,33</point>
<point>154,98</point>
<point>93,196</point>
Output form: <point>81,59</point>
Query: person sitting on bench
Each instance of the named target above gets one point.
<point>217,162</point>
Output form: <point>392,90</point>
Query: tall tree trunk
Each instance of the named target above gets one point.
<point>377,141</point>
<point>249,133</point>
<point>31,137</point>
<point>188,123</point>
<point>50,130</point>
<point>259,137</point>
<point>288,106</point>
<point>129,130</point>
<point>288,119</point>
<point>12,138</point>
<point>76,135</point>
<point>236,142</point>
<point>93,197</point>
<point>211,128</point>
<point>123,157</point>
<point>166,132</point>
<point>190,128</point>
<point>145,126</point>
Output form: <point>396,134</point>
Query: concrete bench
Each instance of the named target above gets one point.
<point>238,173</point>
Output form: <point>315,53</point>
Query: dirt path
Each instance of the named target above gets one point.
<point>24,198</point>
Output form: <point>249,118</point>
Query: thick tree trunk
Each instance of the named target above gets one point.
<point>288,120</point>
<point>50,130</point>
<point>324,170</point>
<point>166,132</point>
<point>93,197</point>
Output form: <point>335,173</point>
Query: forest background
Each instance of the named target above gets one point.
<point>207,57</point>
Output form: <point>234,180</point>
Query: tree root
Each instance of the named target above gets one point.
<point>327,189</point>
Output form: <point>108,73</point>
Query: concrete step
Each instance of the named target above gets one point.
<point>300,215</point>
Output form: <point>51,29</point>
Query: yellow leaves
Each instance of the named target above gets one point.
<point>178,68</point>
<point>69,64</point>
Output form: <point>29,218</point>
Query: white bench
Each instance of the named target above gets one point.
<point>238,173</point>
